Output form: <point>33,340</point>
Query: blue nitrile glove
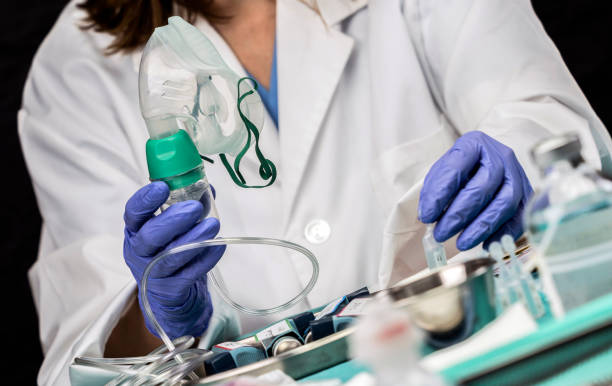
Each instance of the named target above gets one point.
<point>177,288</point>
<point>477,187</point>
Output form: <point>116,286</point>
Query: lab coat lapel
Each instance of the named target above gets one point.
<point>311,59</point>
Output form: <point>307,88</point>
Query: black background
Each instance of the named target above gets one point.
<point>581,29</point>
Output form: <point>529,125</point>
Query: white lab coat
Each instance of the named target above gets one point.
<point>370,95</point>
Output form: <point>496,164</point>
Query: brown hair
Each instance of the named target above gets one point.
<point>131,22</point>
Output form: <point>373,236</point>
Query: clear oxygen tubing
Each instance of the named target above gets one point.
<point>175,362</point>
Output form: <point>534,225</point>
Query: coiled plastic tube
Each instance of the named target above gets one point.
<point>223,293</point>
<point>161,366</point>
<point>175,361</point>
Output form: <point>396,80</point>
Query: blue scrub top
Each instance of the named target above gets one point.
<point>269,97</point>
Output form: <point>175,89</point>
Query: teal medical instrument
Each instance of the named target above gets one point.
<point>328,325</point>
<point>219,362</point>
<point>271,341</point>
<point>279,337</point>
<point>302,321</point>
<point>284,344</point>
<point>230,355</point>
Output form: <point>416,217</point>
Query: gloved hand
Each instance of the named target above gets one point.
<point>477,187</point>
<point>177,288</point>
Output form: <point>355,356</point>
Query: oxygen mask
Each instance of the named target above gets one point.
<point>184,84</point>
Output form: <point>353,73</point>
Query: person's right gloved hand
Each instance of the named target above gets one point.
<point>177,289</point>
<point>478,188</point>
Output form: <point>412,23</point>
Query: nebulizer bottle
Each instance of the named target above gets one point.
<point>174,159</point>
<point>569,222</point>
<point>185,87</point>
<point>172,156</point>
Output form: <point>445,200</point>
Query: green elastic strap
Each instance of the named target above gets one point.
<point>267,170</point>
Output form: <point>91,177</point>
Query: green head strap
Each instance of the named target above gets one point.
<point>267,170</point>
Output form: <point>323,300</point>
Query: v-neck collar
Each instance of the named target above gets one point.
<point>269,96</point>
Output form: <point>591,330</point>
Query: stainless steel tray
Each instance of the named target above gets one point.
<point>449,305</point>
<point>297,363</point>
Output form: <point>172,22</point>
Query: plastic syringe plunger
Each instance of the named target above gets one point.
<point>496,252</point>
<point>512,280</point>
<point>534,301</point>
<point>503,286</point>
<point>434,251</point>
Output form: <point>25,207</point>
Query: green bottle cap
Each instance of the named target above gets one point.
<point>174,160</point>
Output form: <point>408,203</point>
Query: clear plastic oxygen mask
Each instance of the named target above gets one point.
<point>195,106</point>
<point>184,84</point>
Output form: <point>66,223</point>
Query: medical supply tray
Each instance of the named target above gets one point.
<point>560,350</point>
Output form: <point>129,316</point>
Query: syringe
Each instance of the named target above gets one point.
<point>434,251</point>
<point>504,287</point>
<point>534,302</point>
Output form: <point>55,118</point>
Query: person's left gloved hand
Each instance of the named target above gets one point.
<point>477,187</point>
<point>177,290</point>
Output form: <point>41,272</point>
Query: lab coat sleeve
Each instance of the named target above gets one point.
<point>85,159</point>
<point>492,67</point>
<point>83,169</point>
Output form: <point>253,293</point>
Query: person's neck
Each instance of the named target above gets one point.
<point>250,31</point>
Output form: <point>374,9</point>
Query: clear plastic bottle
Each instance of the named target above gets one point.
<point>174,159</point>
<point>199,191</point>
<point>434,251</point>
<point>569,222</point>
